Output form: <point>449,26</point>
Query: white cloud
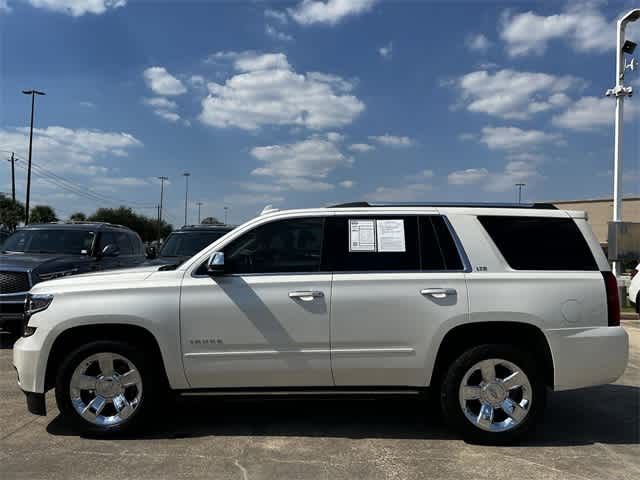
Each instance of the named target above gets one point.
<point>77,8</point>
<point>421,175</point>
<point>517,95</point>
<point>514,138</point>
<point>386,51</point>
<point>164,108</point>
<point>160,102</point>
<point>88,104</point>
<point>347,184</point>
<point>261,187</point>
<point>478,43</point>
<point>121,181</point>
<point>329,12</point>
<point>591,113</point>
<point>244,199</point>
<point>392,140</point>
<point>276,34</point>
<point>267,91</point>
<point>4,7</point>
<point>405,193</point>
<point>361,147</point>
<point>312,158</point>
<point>276,15</point>
<point>514,172</point>
<point>197,80</point>
<point>66,149</point>
<point>162,82</point>
<point>581,25</point>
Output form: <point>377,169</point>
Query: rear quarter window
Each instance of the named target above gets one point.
<point>535,243</point>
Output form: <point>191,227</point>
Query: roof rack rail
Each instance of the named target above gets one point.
<point>540,206</point>
<point>81,222</point>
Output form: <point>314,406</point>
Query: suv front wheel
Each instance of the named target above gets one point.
<point>493,394</point>
<point>105,387</point>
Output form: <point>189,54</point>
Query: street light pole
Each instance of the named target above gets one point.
<point>186,195</point>
<point>199,205</point>
<point>33,94</point>
<point>520,185</point>
<point>162,179</point>
<point>13,177</point>
<point>620,91</point>
<point>226,209</point>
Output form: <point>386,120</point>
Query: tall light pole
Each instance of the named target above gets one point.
<point>162,179</point>
<point>33,94</point>
<point>226,209</point>
<point>520,185</point>
<point>186,194</point>
<point>199,205</point>
<point>620,91</point>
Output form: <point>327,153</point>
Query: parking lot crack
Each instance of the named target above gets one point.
<point>245,474</point>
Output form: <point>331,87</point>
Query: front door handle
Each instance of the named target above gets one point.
<point>439,292</point>
<point>306,295</point>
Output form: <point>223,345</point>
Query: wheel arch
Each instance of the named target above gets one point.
<point>465,336</point>
<point>76,336</point>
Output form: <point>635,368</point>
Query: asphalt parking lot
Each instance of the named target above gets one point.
<point>587,434</point>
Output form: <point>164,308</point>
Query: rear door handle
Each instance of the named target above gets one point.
<point>306,295</point>
<point>439,292</point>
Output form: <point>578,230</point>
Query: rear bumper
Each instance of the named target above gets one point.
<point>584,357</point>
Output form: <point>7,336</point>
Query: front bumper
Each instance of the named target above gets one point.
<point>27,359</point>
<point>584,357</point>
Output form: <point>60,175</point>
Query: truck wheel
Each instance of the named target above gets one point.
<point>105,387</point>
<point>493,394</point>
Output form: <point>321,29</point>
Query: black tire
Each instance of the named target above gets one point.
<point>449,394</point>
<point>142,363</point>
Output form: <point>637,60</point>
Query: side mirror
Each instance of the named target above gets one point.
<point>215,265</point>
<point>110,250</point>
<point>151,253</point>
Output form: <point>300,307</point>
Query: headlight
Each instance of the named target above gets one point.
<point>35,303</point>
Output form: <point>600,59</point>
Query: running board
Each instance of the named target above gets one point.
<point>300,392</point>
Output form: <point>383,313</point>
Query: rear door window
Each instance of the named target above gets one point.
<point>340,254</point>
<point>534,243</point>
<point>438,249</point>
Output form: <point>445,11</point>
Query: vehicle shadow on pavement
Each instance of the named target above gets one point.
<point>608,414</point>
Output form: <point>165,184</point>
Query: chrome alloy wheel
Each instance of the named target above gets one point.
<point>105,389</point>
<point>495,395</point>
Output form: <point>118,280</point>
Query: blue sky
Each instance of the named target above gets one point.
<point>306,103</point>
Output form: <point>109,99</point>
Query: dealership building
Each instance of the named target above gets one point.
<point>600,212</point>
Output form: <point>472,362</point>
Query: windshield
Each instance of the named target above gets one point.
<point>188,244</point>
<point>63,242</point>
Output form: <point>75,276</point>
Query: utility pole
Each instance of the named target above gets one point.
<point>199,205</point>
<point>13,177</point>
<point>186,194</point>
<point>620,91</point>
<point>33,94</point>
<point>226,209</point>
<point>520,185</point>
<point>162,179</point>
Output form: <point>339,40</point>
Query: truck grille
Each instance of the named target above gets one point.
<point>14,282</point>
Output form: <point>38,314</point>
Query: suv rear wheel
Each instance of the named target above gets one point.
<point>105,387</point>
<point>493,394</point>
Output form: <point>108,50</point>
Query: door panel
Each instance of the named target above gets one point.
<point>382,325</point>
<point>247,331</point>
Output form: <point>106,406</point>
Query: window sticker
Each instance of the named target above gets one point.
<point>362,236</point>
<point>391,236</point>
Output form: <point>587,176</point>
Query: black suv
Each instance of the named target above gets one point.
<point>183,244</point>
<point>46,251</point>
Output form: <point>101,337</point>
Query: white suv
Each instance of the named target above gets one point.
<point>488,305</point>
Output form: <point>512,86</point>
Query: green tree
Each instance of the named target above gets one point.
<point>211,221</point>
<point>11,213</point>
<point>78,217</point>
<point>144,226</point>
<point>42,214</point>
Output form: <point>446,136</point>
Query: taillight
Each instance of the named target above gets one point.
<point>613,301</point>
